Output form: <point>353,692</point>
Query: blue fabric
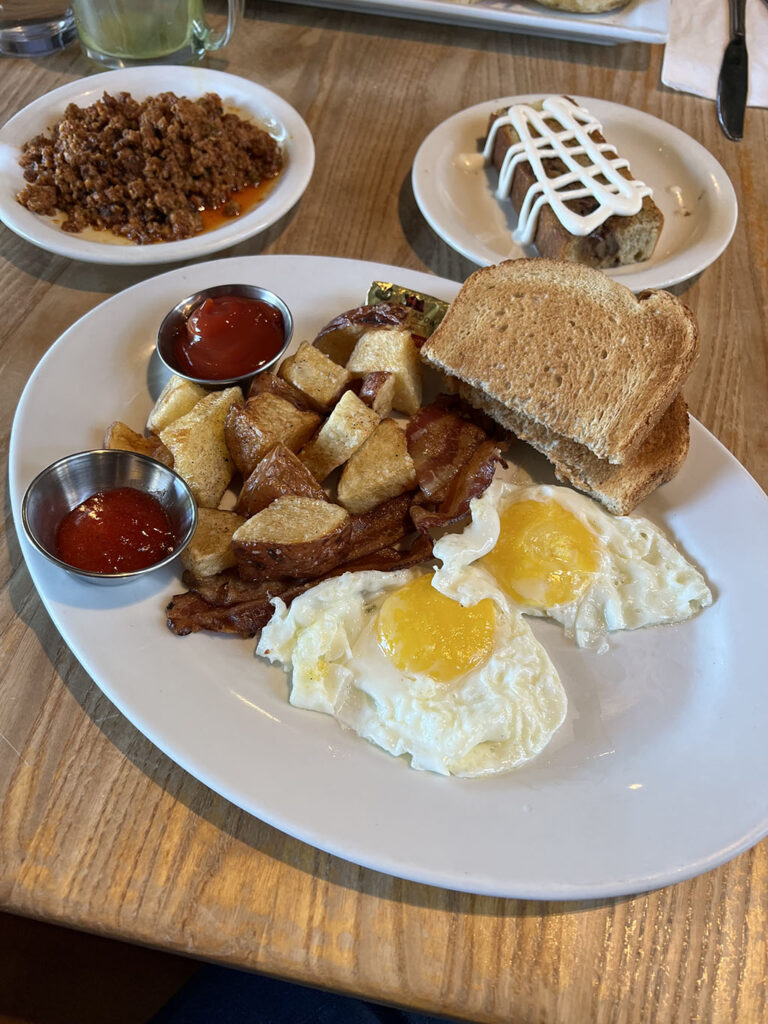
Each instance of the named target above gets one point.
<point>222,995</point>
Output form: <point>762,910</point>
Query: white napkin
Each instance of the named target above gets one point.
<point>698,34</point>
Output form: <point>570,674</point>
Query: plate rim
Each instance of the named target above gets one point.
<point>608,28</point>
<point>637,280</point>
<point>432,876</point>
<point>288,189</point>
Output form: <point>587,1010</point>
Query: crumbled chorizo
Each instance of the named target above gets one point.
<point>144,170</point>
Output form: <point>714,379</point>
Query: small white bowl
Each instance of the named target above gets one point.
<point>250,100</point>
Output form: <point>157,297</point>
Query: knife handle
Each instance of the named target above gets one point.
<point>737,18</point>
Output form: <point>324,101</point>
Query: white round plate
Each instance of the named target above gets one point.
<point>455,192</point>
<point>657,774</point>
<point>248,99</point>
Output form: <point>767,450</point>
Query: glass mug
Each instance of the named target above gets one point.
<point>32,28</point>
<point>123,33</point>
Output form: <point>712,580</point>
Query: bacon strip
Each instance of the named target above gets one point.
<point>229,602</point>
<point>224,607</point>
<point>226,604</point>
<point>470,482</point>
<point>441,439</point>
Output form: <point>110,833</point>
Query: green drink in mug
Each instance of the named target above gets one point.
<point>123,33</point>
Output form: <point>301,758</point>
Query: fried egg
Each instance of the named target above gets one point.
<point>552,551</point>
<point>463,691</point>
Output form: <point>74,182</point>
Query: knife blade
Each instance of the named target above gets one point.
<point>733,80</point>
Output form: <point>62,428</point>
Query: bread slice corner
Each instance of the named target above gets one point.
<point>567,350</point>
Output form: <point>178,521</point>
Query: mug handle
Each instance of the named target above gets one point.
<point>215,40</point>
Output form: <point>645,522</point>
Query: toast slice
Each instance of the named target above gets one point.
<point>567,352</point>
<point>618,487</point>
<point>622,488</point>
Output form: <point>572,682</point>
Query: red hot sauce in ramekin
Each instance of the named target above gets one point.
<point>120,530</point>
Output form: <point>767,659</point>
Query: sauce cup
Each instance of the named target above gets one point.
<point>65,484</point>
<point>175,324</point>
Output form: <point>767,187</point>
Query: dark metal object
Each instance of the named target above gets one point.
<point>734,75</point>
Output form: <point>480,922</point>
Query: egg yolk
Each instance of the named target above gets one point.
<point>422,631</point>
<point>544,555</point>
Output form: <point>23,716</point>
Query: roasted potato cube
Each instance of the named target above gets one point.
<point>342,434</point>
<point>120,435</point>
<point>377,390</point>
<point>275,385</point>
<point>316,376</point>
<point>393,349</point>
<point>340,335</point>
<point>199,447</point>
<point>178,397</point>
<point>380,469</point>
<point>267,419</point>
<point>210,550</point>
<point>279,473</point>
<point>297,537</point>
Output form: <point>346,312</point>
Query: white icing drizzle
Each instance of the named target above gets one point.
<point>572,136</point>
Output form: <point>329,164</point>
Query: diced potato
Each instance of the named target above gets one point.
<point>350,423</point>
<point>338,337</point>
<point>279,473</point>
<point>199,448</point>
<point>210,550</point>
<point>275,385</point>
<point>380,469</point>
<point>267,419</point>
<point>297,537</point>
<point>316,376</point>
<point>178,397</point>
<point>377,390</point>
<point>120,435</point>
<point>393,349</point>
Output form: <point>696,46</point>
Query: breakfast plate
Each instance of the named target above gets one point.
<point>657,773</point>
<point>640,21</point>
<point>455,192</point>
<point>248,99</point>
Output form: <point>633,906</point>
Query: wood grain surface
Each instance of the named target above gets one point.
<point>101,831</point>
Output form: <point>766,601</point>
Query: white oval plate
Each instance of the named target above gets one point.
<point>657,774</point>
<point>247,98</point>
<point>455,192</point>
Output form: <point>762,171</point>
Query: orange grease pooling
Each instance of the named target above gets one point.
<point>247,199</point>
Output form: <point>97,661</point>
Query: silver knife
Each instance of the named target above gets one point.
<point>734,75</point>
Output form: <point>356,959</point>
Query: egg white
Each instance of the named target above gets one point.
<point>641,580</point>
<point>490,720</point>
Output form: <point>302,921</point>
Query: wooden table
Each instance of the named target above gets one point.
<point>101,831</point>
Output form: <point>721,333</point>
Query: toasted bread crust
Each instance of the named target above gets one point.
<point>568,351</point>
<point>618,488</point>
<point>622,488</point>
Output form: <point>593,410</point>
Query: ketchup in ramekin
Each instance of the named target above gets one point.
<point>225,334</point>
<point>228,336</point>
